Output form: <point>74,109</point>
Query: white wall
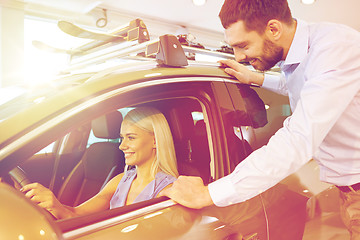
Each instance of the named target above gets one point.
<point>11,46</point>
<point>339,11</point>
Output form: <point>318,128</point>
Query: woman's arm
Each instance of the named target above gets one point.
<point>47,200</point>
<point>100,201</point>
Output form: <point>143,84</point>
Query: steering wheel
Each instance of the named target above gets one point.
<point>19,176</point>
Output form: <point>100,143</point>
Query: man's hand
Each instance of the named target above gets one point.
<point>189,192</point>
<point>241,72</point>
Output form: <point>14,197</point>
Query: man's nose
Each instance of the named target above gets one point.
<point>239,55</point>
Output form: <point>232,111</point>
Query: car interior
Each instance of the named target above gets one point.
<point>100,162</point>
<point>86,158</point>
<point>83,160</point>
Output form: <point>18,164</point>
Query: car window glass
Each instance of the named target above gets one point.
<point>251,129</point>
<point>186,120</point>
<point>277,110</point>
<point>48,149</point>
<point>188,127</point>
<point>93,139</point>
<point>248,112</point>
<point>197,116</point>
<point>200,147</point>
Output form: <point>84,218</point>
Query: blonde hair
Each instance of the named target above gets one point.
<point>153,121</point>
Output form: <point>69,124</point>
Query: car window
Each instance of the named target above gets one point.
<point>48,149</point>
<point>17,99</point>
<point>258,114</point>
<point>187,122</point>
<point>188,125</point>
<point>197,116</point>
<point>93,139</point>
<point>277,110</point>
<point>187,110</point>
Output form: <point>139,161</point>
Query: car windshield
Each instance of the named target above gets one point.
<point>18,98</point>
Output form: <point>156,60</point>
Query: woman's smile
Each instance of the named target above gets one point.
<point>137,144</point>
<point>128,154</point>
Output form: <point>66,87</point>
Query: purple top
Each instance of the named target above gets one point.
<point>150,191</point>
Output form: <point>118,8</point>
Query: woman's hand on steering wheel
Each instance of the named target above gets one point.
<point>44,198</point>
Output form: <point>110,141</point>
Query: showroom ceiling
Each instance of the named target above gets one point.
<point>184,12</point>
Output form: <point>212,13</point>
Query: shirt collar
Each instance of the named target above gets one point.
<point>299,46</point>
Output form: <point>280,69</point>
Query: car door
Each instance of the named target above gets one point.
<point>204,100</point>
<point>265,112</point>
<point>163,219</point>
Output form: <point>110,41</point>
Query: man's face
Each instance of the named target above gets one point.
<point>257,49</point>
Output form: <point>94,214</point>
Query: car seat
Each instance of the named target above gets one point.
<point>239,147</point>
<point>201,153</point>
<point>191,144</point>
<point>100,162</point>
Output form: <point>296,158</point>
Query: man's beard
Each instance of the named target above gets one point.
<point>272,54</point>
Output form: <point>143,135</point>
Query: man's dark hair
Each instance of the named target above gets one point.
<point>255,13</point>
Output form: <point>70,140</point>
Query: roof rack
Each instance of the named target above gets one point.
<point>167,50</point>
<point>208,52</point>
<point>130,40</point>
<point>135,30</point>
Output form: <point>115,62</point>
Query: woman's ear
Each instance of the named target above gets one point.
<point>154,143</point>
<point>274,29</point>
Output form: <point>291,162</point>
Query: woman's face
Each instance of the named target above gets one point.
<point>138,145</point>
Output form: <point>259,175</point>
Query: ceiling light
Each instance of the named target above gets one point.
<point>307,1</point>
<point>199,2</point>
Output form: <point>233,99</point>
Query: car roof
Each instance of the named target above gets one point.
<point>83,81</point>
<point>70,90</point>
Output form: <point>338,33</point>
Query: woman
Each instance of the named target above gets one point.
<point>148,145</point>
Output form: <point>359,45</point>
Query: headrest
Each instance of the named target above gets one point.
<point>181,124</point>
<point>200,128</point>
<point>107,126</point>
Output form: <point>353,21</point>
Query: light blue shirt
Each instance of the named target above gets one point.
<point>321,76</point>
<point>149,192</point>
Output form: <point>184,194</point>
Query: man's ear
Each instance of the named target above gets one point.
<point>274,29</point>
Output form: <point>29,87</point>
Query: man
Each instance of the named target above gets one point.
<point>321,75</point>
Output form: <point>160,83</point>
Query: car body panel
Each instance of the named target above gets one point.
<point>213,222</point>
<point>215,94</point>
<point>45,115</point>
<point>40,112</point>
<point>21,219</point>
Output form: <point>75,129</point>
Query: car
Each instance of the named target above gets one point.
<point>65,135</point>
